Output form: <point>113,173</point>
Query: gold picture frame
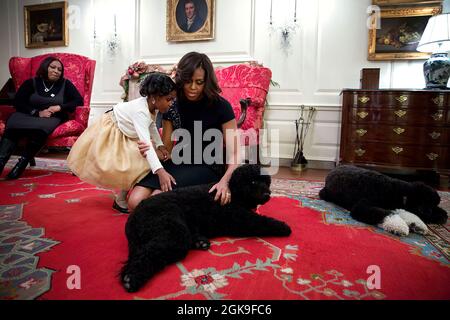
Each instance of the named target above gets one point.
<point>399,34</point>
<point>46,25</point>
<point>404,2</point>
<point>201,25</point>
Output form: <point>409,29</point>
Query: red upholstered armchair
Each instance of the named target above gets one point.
<point>246,82</point>
<point>79,70</point>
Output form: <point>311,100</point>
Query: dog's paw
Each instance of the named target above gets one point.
<point>201,243</point>
<point>128,283</point>
<point>284,230</point>
<point>395,224</point>
<point>419,229</point>
<point>129,280</point>
<point>414,223</point>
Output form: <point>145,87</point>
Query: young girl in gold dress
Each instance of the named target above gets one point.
<point>107,155</point>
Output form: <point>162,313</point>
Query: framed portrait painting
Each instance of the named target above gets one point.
<point>399,32</point>
<point>46,25</point>
<point>190,20</point>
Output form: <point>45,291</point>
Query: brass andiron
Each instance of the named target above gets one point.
<point>302,126</point>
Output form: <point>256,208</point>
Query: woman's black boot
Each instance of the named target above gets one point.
<point>35,144</point>
<point>6,149</point>
<point>18,169</point>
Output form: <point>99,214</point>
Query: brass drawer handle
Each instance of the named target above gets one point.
<point>439,101</point>
<point>400,113</point>
<point>399,131</point>
<point>361,132</point>
<point>364,100</point>
<point>402,99</point>
<point>438,115</point>
<point>360,152</point>
<point>435,135</point>
<point>362,114</point>
<point>397,150</point>
<point>432,156</point>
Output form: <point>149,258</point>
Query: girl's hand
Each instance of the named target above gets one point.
<point>143,148</point>
<point>165,180</point>
<point>222,192</point>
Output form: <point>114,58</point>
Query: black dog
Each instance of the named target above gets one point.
<point>163,228</point>
<point>373,198</point>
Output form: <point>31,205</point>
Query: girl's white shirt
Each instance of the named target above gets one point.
<point>135,121</point>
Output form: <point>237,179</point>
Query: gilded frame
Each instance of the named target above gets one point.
<point>46,25</point>
<point>176,29</point>
<point>393,16</point>
<point>405,2</point>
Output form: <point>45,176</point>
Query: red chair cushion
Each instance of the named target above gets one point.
<point>68,128</point>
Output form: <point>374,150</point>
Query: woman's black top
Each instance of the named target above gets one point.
<point>210,116</point>
<point>72,97</point>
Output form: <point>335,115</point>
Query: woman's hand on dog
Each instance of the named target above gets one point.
<point>222,192</point>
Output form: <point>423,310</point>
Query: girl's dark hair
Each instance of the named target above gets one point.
<point>42,71</point>
<point>156,83</point>
<point>186,68</point>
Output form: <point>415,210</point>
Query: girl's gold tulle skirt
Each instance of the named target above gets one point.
<point>105,157</point>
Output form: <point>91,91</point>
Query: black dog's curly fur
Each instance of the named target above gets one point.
<point>370,196</point>
<point>165,227</point>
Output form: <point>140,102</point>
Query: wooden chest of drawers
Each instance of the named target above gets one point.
<point>396,129</point>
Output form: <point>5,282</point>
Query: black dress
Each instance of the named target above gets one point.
<point>32,98</point>
<point>196,118</point>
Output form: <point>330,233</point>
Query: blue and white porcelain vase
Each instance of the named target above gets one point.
<point>437,71</point>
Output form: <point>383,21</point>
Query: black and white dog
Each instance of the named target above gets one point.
<point>373,198</point>
<point>163,228</point>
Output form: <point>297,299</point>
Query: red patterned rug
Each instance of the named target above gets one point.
<point>52,224</point>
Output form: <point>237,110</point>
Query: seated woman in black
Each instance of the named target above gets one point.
<point>42,103</point>
<point>200,108</point>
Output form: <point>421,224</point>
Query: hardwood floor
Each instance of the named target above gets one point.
<point>308,174</point>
